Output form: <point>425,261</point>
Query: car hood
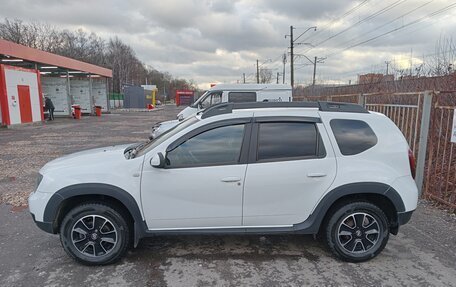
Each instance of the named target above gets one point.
<point>106,156</point>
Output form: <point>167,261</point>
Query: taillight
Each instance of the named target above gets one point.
<point>412,163</point>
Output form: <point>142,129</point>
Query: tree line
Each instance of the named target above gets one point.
<point>110,53</point>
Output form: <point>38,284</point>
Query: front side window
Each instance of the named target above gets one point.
<point>242,97</point>
<point>218,146</point>
<point>281,140</point>
<point>353,136</point>
<point>212,99</point>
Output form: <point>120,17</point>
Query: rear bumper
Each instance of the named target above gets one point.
<point>45,226</point>
<point>404,217</point>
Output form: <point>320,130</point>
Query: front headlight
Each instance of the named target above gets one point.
<point>39,178</point>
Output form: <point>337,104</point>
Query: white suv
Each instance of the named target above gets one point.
<point>309,168</point>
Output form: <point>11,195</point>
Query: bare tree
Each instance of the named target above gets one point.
<point>265,75</point>
<point>88,47</point>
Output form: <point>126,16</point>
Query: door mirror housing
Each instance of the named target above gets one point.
<point>158,160</point>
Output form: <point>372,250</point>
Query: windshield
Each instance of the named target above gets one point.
<point>195,104</point>
<point>164,136</point>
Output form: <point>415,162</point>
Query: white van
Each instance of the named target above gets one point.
<point>235,93</point>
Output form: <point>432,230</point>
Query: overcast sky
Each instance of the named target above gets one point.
<point>214,41</point>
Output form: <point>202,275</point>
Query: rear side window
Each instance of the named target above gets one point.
<point>287,140</point>
<point>242,97</point>
<point>353,136</point>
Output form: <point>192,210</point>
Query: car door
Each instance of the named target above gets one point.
<point>201,184</point>
<point>291,165</point>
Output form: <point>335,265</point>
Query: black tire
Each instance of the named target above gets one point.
<point>94,234</point>
<point>357,231</point>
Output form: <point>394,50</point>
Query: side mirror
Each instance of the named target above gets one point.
<point>158,160</point>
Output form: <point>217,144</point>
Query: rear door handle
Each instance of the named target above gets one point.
<point>231,179</point>
<point>316,174</point>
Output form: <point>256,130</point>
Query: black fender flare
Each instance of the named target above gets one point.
<point>54,205</point>
<point>312,224</point>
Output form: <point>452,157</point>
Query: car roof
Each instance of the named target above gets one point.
<point>227,108</point>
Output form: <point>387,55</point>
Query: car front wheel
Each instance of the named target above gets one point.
<point>357,231</point>
<point>94,234</point>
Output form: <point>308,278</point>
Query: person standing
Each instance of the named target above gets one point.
<point>49,106</point>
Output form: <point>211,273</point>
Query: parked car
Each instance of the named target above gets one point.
<point>233,93</point>
<point>246,168</point>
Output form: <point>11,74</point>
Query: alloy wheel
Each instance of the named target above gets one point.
<point>358,233</point>
<point>94,235</point>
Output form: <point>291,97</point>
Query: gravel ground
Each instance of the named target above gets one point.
<point>423,254</point>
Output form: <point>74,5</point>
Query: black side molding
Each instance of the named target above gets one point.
<point>312,224</point>
<point>55,203</point>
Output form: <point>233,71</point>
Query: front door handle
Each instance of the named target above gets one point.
<point>231,179</point>
<point>316,174</point>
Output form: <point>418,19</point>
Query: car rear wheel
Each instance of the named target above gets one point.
<point>357,231</point>
<point>94,234</point>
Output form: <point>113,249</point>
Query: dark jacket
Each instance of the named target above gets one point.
<point>48,104</point>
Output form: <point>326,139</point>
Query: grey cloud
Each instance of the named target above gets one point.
<point>222,6</point>
<point>306,9</point>
<point>105,15</point>
<point>174,14</point>
<point>217,40</point>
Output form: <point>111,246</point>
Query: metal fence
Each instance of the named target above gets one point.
<point>436,164</point>
<point>440,171</point>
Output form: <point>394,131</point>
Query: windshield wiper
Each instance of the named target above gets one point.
<point>135,149</point>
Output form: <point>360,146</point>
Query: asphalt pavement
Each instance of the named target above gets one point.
<point>422,254</point>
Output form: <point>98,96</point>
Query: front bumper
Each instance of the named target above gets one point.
<point>45,226</point>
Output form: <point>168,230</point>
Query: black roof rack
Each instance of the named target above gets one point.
<point>227,108</point>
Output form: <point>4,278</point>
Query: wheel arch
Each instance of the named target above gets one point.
<point>68,197</point>
<point>380,194</point>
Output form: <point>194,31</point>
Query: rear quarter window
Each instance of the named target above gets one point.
<point>242,97</point>
<point>353,136</point>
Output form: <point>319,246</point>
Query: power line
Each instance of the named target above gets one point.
<point>430,15</point>
<point>369,17</point>
<point>383,25</point>
<point>380,12</point>
<point>347,13</point>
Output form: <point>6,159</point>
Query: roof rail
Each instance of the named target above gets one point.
<point>341,107</point>
<point>227,108</point>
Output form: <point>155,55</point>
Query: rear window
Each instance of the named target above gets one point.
<point>353,136</point>
<point>282,140</point>
<point>242,97</point>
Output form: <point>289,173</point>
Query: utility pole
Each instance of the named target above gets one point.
<point>284,62</point>
<point>291,57</point>
<point>387,66</point>
<point>258,73</point>
<point>277,77</point>
<point>292,41</point>
<point>315,70</point>
<point>243,75</point>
